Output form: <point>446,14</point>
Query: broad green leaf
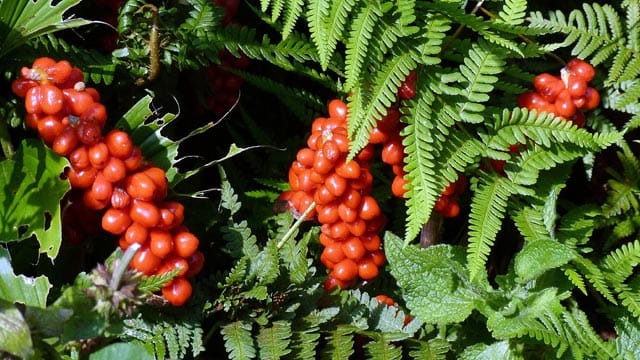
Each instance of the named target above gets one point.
<point>19,288</point>
<point>144,125</point>
<point>129,351</point>
<point>15,336</point>
<point>539,256</point>
<point>434,280</point>
<point>25,19</point>
<point>31,190</point>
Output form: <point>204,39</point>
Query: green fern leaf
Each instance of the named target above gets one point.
<point>317,13</point>
<point>238,341</point>
<point>420,160</point>
<point>382,349</point>
<point>628,340</point>
<point>513,12</point>
<point>530,223</point>
<point>621,262</point>
<point>357,44</point>
<point>576,279</point>
<point>381,95</point>
<point>293,12</point>
<point>273,342</point>
<point>478,71</point>
<point>434,349</point>
<point>536,158</point>
<point>595,276</point>
<point>629,295</point>
<point>540,256</point>
<point>339,343</point>
<point>335,27</point>
<point>488,207</point>
<point>406,10</point>
<point>304,343</point>
<point>277,7</point>
<point>621,197</point>
<point>433,34</point>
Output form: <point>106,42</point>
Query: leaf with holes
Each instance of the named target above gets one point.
<point>31,192</point>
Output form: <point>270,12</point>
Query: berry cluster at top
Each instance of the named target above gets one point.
<point>110,172</point>
<point>566,95</point>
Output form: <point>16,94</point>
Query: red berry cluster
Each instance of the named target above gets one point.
<point>566,95</point>
<point>225,85</point>
<point>341,190</point>
<point>387,133</point>
<point>110,173</point>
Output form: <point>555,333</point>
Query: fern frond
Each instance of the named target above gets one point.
<point>273,342</point>
<point>293,12</point>
<point>382,349</point>
<point>335,27</point>
<point>621,197</point>
<point>520,125</point>
<point>339,343</point>
<point>434,349</point>
<point>379,97</point>
<point>513,12</point>
<point>595,276</point>
<point>357,44</point>
<point>488,207</point>
<point>317,13</point>
<point>238,341</point>
<point>530,223</point>
<point>576,279</point>
<point>621,262</point>
<point>535,158</point>
<point>406,12</point>
<point>420,148</point>
<point>432,38</point>
<point>629,295</point>
<point>478,73</point>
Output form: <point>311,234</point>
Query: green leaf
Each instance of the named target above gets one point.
<point>129,351</point>
<point>26,19</point>
<point>238,341</point>
<point>31,190</point>
<point>273,342</point>
<point>143,124</point>
<point>497,350</point>
<point>433,280</point>
<point>15,336</point>
<point>540,256</point>
<point>19,288</point>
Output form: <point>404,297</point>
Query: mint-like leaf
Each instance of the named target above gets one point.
<point>433,280</point>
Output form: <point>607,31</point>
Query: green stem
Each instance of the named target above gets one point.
<point>123,265</point>
<point>296,225</point>
<point>5,140</point>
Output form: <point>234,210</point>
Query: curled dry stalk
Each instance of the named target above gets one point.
<point>154,45</point>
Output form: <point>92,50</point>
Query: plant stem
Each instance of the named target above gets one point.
<point>5,140</point>
<point>122,265</point>
<point>296,225</point>
<point>154,46</point>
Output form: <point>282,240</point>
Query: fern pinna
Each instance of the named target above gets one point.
<point>523,256</point>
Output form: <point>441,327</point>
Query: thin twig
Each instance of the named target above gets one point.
<point>296,225</point>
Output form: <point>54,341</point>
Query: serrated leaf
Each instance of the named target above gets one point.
<point>129,351</point>
<point>15,336</point>
<point>31,190</point>
<point>433,280</point>
<point>540,256</point>
<point>19,288</point>
<point>273,342</point>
